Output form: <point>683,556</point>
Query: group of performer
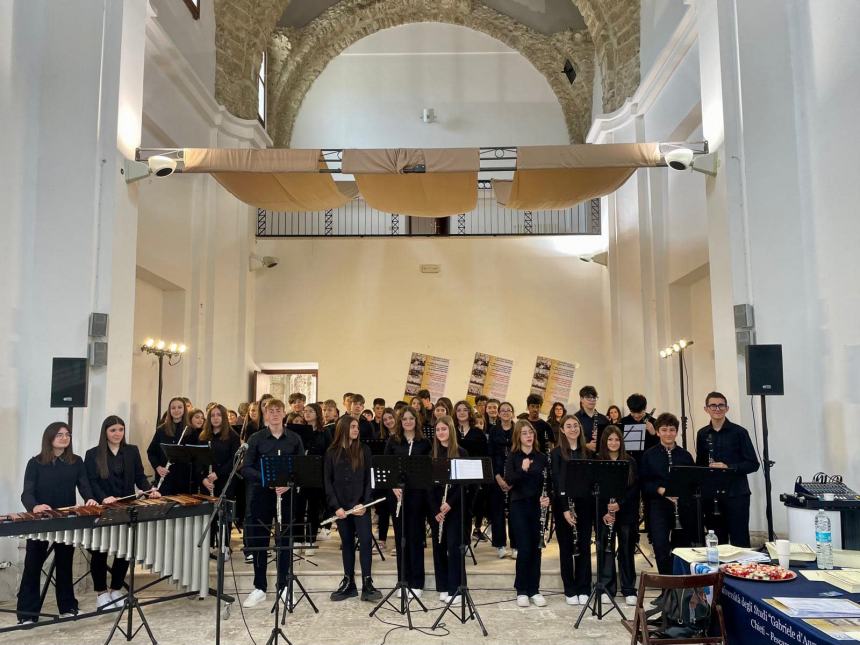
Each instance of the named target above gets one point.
<point>530,459</point>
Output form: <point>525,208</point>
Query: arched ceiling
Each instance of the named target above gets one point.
<point>299,52</point>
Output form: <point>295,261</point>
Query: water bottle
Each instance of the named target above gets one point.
<point>711,549</point>
<point>823,544</point>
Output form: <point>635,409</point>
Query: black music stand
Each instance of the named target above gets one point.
<point>197,455</point>
<point>475,448</point>
<point>604,479</point>
<point>445,473</point>
<point>131,516</point>
<point>695,481</point>
<point>377,447</point>
<point>398,471</point>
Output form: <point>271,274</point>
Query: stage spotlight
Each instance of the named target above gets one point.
<point>162,165</point>
<point>680,159</point>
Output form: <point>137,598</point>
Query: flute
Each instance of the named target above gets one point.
<point>442,521</point>
<point>169,464</point>
<point>352,511</point>
<point>400,499</point>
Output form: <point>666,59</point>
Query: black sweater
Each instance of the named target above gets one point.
<point>223,453</point>
<point>125,471</point>
<point>629,504</point>
<point>264,443</point>
<point>345,487</point>
<point>434,494</point>
<point>655,468</point>
<point>179,478</point>
<point>731,445</point>
<point>528,484</point>
<point>558,467</point>
<point>54,483</point>
<point>500,448</point>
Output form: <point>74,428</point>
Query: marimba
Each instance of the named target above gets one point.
<point>167,547</point>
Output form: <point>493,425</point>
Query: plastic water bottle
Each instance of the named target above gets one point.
<point>711,549</point>
<point>823,540</point>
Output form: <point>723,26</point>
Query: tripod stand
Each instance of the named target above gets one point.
<point>405,473</point>
<point>132,516</point>
<point>462,472</point>
<point>611,478</point>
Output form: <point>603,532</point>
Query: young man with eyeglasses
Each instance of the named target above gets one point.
<point>723,444</point>
<point>590,419</point>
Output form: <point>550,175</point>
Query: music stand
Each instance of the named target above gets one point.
<point>476,448</point>
<point>687,481</point>
<point>634,437</point>
<point>604,479</point>
<point>405,473</point>
<point>448,471</point>
<point>131,516</point>
<point>198,456</point>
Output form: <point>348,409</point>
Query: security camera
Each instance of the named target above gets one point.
<point>270,261</point>
<point>256,262</point>
<point>679,159</point>
<point>161,165</point>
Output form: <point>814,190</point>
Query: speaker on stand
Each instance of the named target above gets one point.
<point>764,378</point>
<point>69,384</point>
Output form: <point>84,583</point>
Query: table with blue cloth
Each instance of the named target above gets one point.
<point>750,620</point>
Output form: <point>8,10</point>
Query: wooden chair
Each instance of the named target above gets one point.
<point>643,632</point>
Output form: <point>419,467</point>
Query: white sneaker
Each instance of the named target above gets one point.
<point>501,551</point>
<point>583,599</point>
<point>522,601</point>
<point>69,614</point>
<point>513,554</point>
<point>105,601</point>
<point>457,599</point>
<point>116,594</point>
<point>254,598</point>
<point>324,534</point>
<point>571,600</point>
<point>630,600</point>
<point>444,597</point>
<point>417,592</point>
<point>539,600</point>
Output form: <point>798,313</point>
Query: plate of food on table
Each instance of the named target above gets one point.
<point>758,572</point>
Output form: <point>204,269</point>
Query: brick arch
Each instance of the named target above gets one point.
<point>298,57</point>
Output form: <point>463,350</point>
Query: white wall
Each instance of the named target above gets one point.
<point>360,307</point>
<point>484,93</point>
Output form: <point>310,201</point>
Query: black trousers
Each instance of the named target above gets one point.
<point>30,591</point>
<point>575,571</point>
<point>664,537</point>
<point>316,508</point>
<point>348,528</point>
<point>525,529</point>
<point>446,555</point>
<point>497,516</point>
<point>481,506</point>
<point>564,537</point>
<point>99,569</point>
<point>258,530</point>
<point>624,544</point>
<point>412,557</point>
<point>383,514</point>
<point>732,525</point>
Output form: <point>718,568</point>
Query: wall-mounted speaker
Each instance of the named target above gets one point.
<point>98,325</point>
<point>98,353</point>
<point>764,370</point>
<point>69,383</point>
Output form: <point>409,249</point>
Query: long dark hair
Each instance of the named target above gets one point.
<point>224,432</point>
<point>170,428</point>
<point>319,423</point>
<point>470,421</point>
<point>46,456</point>
<point>603,449</point>
<point>453,445</point>
<point>102,449</point>
<point>551,418</point>
<point>383,431</point>
<point>398,427</point>
<point>342,446</point>
<point>564,444</point>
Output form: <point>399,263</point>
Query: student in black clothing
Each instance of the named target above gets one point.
<point>319,442</point>
<point>297,401</point>
<point>613,415</point>
<point>170,431</point>
<point>114,469</point>
<point>407,439</point>
<point>654,476</point>
<point>474,441</point>
<point>571,447</point>
<point>387,423</point>
<point>481,504</point>
<point>481,407</point>
<point>347,486</point>
<point>524,471</point>
<point>590,419</point>
<point>623,514</point>
<point>556,413</point>
<point>637,403</point>
<point>376,422</point>
<point>492,414</point>
<point>499,449</point>
<point>275,439</point>
<point>723,444</point>
<point>49,482</point>
<point>223,443</point>
<point>444,501</point>
<point>356,407</point>
<point>545,436</point>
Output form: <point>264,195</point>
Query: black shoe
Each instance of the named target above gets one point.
<point>347,589</point>
<point>368,591</point>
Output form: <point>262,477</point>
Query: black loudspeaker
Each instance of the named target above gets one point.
<point>69,383</point>
<point>764,370</point>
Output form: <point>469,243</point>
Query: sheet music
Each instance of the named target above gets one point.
<point>634,436</point>
<point>466,469</point>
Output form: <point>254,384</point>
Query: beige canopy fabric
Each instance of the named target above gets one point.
<point>556,177</point>
<point>447,185</point>
<point>276,179</point>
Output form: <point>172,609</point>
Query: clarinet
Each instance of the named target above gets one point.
<point>571,505</point>
<point>544,511</point>
<point>678,526</point>
<point>442,521</point>
<point>169,464</point>
<point>400,499</point>
<point>507,493</point>
<point>610,534</point>
<point>710,440</point>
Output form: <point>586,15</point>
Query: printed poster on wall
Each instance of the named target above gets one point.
<point>490,376</point>
<point>553,380</point>
<point>426,373</point>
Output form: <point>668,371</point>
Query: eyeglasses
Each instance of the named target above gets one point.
<point>63,434</point>
<point>590,398</point>
<point>718,406</point>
